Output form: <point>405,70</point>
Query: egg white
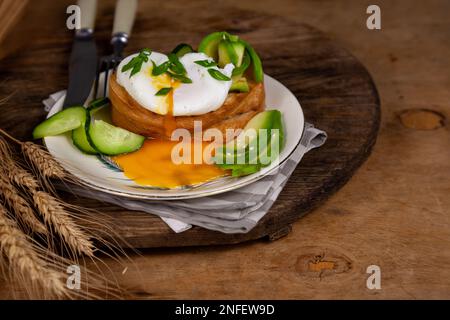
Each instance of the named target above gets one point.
<point>203,95</point>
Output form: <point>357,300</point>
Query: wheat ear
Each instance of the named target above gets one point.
<point>42,161</point>
<point>55,215</point>
<point>20,206</point>
<point>23,258</point>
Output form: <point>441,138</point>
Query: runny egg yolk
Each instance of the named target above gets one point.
<point>166,102</point>
<point>152,165</point>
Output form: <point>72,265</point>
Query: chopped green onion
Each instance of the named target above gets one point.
<point>163,91</point>
<point>157,70</point>
<point>180,77</point>
<point>176,66</point>
<point>218,75</point>
<point>135,64</point>
<point>206,63</point>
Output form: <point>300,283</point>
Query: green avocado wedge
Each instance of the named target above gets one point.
<point>227,54</point>
<point>226,48</point>
<point>209,44</point>
<point>239,84</point>
<point>258,72</point>
<point>243,147</point>
<point>63,121</point>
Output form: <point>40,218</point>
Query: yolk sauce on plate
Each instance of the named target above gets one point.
<point>152,165</point>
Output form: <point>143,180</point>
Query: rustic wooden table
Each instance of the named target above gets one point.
<point>393,213</point>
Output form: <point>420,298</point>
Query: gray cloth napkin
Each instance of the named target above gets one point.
<point>236,211</point>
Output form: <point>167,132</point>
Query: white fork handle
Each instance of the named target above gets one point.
<point>124,16</point>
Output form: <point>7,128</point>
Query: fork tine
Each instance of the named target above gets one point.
<point>105,82</point>
<point>97,77</point>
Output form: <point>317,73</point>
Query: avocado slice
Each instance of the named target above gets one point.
<point>269,120</point>
<point>258,72</point>
<point>239,71</point>
<point>239,84</point>
<point>239,49</point>
<point>209,44</point>
<point>226,53</point>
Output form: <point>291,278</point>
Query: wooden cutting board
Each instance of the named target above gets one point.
<point>335,90</point>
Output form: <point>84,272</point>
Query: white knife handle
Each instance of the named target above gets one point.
<point>124,16</point>
<point>88,9</point>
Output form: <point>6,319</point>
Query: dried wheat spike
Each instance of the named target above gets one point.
<point>23,259</point>
<point>55,215</point>
<point>20,206</point>
<point>42,161</point>
<point>22,177</point>
<point>15,172</point>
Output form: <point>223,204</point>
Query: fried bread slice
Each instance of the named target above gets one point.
<point>235,112</point>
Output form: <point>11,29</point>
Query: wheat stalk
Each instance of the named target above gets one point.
<point>42,161</point>
<point>55,215</point>
<point>23,258</point>
<point>16,173</point>
<point>20,206</point>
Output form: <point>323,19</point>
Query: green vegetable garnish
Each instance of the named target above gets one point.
<point>163,91</point>
<point>218,75</point>
<point>206,63</point>
<point>248,155</point>
<point>175,65</point>
<point>181,49</point>
<point>238,71</point>
<point>180,77</point>
<point>157,70</point>
<point>135,64</point>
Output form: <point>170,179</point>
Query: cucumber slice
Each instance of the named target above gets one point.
<point>110,140</point>
<point>258,72</point>
<point>210,43</point>
<point>181,49</point>
<point>63,121</point>
<point>80,140</point>
<point>239,84</point>
<point>79,137</point>
<point>226,53</point>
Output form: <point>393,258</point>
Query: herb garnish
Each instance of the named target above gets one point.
<point>180,77</point>
<point>206,63</point>
<point>216,74</point>
<point>175,65</point>
<point>157,70</point>
<point>135,64</point>
<point>163,91</point>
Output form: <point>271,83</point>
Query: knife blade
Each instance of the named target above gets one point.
<point>83,58</point>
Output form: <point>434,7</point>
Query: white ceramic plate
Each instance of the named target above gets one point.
<point>97,174</point>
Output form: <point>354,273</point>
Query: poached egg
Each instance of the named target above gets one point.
<point>203,95</point>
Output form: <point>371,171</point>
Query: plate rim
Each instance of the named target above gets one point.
<point>199,195</point>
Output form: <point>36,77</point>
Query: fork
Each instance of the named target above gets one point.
<point>123,22</point>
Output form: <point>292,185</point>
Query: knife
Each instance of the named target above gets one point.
<point>83,59</point>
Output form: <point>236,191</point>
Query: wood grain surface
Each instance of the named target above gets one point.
<point>393,212</point>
